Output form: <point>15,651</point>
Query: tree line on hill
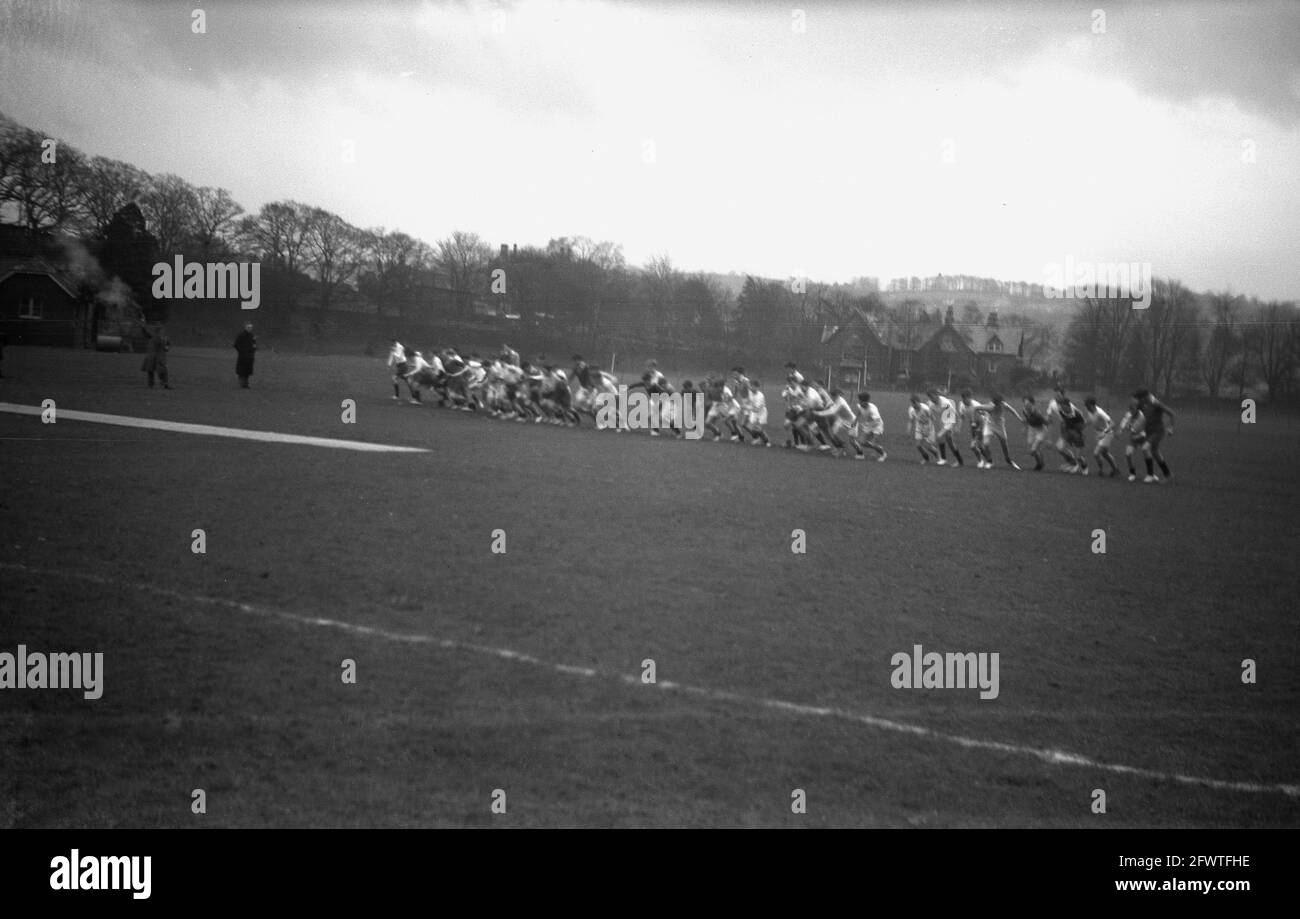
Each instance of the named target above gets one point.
<point>108,222</point>
<point>1216,343</point>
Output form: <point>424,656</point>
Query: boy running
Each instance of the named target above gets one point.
<point>416,368</point>
<point>839,418</point>
<point>995,427</point>
<point>1071,435</point>
<point>1132,422</point>
<point>755,414</point>
<point>968,411</point>
<point>397,362</point>
<point>920,422</point>
<point>1035,432</point>
<point>814,427</point>
<point>870,426</point>
<point>794,406</point>
<point>1154,413</point>
<point>1105,432</point>
<point>946,411</point>
<point>722,408</point>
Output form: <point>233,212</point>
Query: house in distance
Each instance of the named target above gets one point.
<point>886,351</point>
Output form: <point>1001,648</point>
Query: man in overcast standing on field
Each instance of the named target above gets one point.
<point>245,347</point>
<point>155,358</point>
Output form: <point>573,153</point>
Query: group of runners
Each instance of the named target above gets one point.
<point>816,418</point>
<point>934,419</point>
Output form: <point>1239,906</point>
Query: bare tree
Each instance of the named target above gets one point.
<point>20,151</point>
<point>388,261</point>
<point>659,280</point>
<point>1271,338</point>
<point>45,193</point>
<point>57,202</point>
<point>278,234</point>
<point>335,251</point>
<point>1167,328</point>
<point>106,187</point>
<point>1222,341</point>
<point>1098,339</point>
<point>464,258</point>
<point>169,205</point>
<point>605,266</point>
<point>213,220</point>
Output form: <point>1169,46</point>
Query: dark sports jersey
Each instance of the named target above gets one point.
<point>1071,417</point>
<point>582,373</point>
<point>1153,417</point>
<point>1035,419</point>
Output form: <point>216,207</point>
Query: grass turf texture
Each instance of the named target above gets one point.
<point>620,549</point>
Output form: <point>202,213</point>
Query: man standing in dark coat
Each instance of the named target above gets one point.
<point>245,345</point>
<point>155,358</point>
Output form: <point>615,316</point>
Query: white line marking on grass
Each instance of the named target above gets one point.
<point>1052,757</point>
<point>179,427</point>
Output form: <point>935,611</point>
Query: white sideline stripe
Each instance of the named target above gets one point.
<point>180,427</point>
<point>1052,757</point>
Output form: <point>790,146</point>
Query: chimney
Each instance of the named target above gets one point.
<point>992,321</point>
<point>947,319</point>
<point>505,252</point>
<point>516,250</point>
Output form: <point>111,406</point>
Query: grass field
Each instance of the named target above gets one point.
<point>522,671</point>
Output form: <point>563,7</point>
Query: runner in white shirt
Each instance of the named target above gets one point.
<point>970,414</point>
<point>1105,431</point>
<point>793,395</point>
<point>946,411</point>
<point>870,426</point>
<point>514,404</point>
<point>841,421</point>
<point>995,428</point>
<point>920,422</point>
<point>421,375</point>
<point>397,363</point>
<point>494,386</point>
<point>754,410</point>
<point>815,400</point>
<point>416,366</point>
<point>723,408</point>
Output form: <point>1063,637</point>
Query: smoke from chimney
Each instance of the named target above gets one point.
<point>89,276</point>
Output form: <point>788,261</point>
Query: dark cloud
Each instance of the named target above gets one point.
<point>294,44</point>
<point>1183,52</point>
<point>1249,53</point>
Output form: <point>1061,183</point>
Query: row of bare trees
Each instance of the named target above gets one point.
<point>957,283</point>
<point>583,290</point>
<point>54,190</point>
<point>1184,340</point>
<point>574,287</point>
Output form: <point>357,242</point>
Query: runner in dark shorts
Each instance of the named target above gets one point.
<point>1154,412</point>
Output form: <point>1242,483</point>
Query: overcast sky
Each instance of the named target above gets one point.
<point>828,140</point>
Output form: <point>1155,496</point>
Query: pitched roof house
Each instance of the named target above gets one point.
<point>39,304</point>
<point>868,349</point>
